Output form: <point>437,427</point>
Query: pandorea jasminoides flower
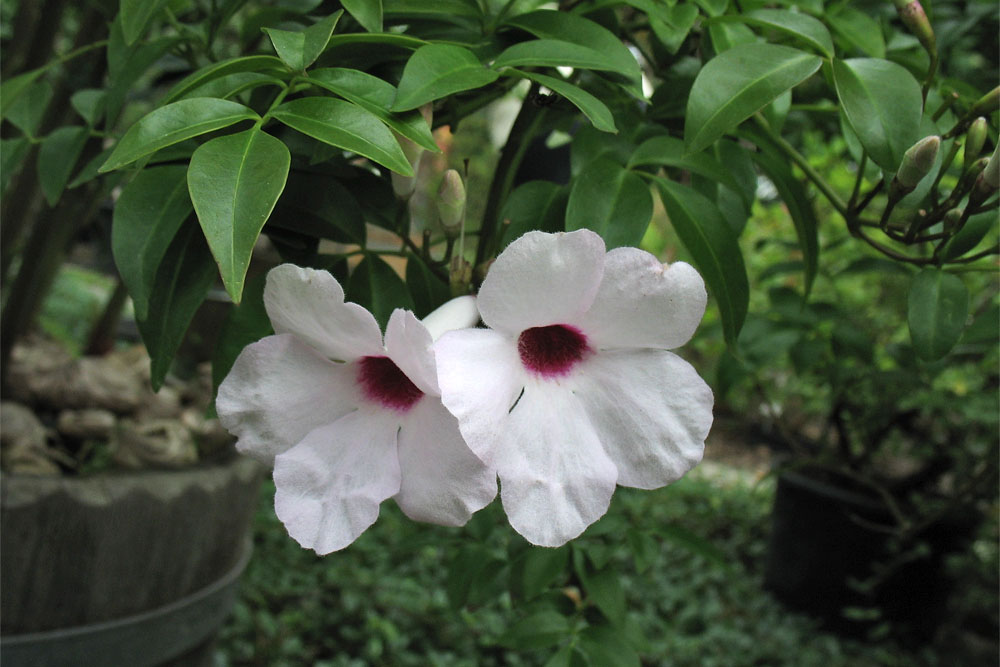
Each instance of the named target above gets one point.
<point>347,420</point>
<point>571,391</point>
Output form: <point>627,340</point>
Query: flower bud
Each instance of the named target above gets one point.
<point>986,104</point>
<point>451,202</point>
<point>952,219</point>
<point>974,140</point>
<point>404,186</point>
<point>918,161</point>
<point>991,173</point>
<point>459,276</point>
<point>913,16</point>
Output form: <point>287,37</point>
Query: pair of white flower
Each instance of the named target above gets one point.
<point>570,391</point>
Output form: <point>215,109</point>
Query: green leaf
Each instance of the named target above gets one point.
<point>667,151</point>
<point>550,24</point>
<point>428,290</point>
<point>89,103</point>
<point>136,15</point>
<point>801,27</point>
<point>375,95</point>
<point>231,85</point>
<point>346,126</point>
<point>185,275</point>
<point>244,324</point>
<point>536,569</point>
<point>57,157</point>
<point>26,112</point>
<point>472,573</point>
<point>737,83</point>
<point>174,123</point>
<point>376,286</point>
<point>89,171</point>
<point>541,629</point>
<point>611,201</point>
<point>534,205</point>
<point>366,12</point>
<point>191,83</point>
<point>553,53</point>
<point>938,306</point>
<point>607,647</point>
<point>318,205</point>
<point>234,182</point>
<point>438,70</point>
<point>672,25</point>
<point>12,152</point>
<point>604,590</point>
<point>712,245</point>
<point>645,549</point>
<point>594,109</point>
<point>883,104</point>
<point>859,30</point>
<point>125,65</point>
<point>725,36</point>
<point>969,236</point>
<point>300,49</point>
<point>150,210</point>
<point>12,89</point>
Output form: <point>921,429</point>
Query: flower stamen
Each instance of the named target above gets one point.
<point>383,383</point>
<point>552,351</point>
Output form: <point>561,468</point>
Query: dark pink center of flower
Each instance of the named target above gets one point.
<point>553,350</point>
<point>382,382</point>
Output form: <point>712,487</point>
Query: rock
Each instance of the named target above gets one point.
<point>212,438</point>
<point>161,405</point>
<point>162,443</point>
<point>86,424</point>
<point>23,442</point>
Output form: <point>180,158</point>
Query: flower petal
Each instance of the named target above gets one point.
<point>480,376</point>
<point>443,481</point>
<point>278,390</point>
<point>409,345</point>
<point>459,313</point>
<point>555,479</point>
<point>310,304</point>
<point>542,279</point>
<point>643,303</point>
<point>651,411</point>
<point>330,485</point>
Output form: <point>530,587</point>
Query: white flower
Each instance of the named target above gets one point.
<point>571,390</point>
<point>347,421</point>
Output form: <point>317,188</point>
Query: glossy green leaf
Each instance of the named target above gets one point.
<point>377,96</point>
<point>608,647</point>
<point>858,30</point>
<point>594,109</point>
<point>231,85</point>
<point>737,83</point>
<point>300,49</point>
<point>664,151</point>
<point>150,210</point>
<point>674,28</point>
<point>969,236</point>
<point>938,306</point>
<point>376,286</point>
<point>12,152</point>
<point>182,281</point>
<point>883,104</point>
<point>26,112</point>
<point>541,629</point>
<point>90,170</point>
<point>438,70</point>
<point>428,290</point>
<point>725,36</point>
<point>604,590</point>
<point>12,89</point>
<point>57,156</point>
<point>234,182</point>
<point>174,123</point>
<point>801,27</point>
<point>244,324</point>
<point>535,205</point>
<point>346,126</point>
<point>713,7</point>
<point>89,103</point>
<point>553,53</point>
<point>381,39</point>
<point>189,85</point>
<point>550,24</point>
<point>366,12</point>
<point>712,245</point>
<point>135,16</point>
<point>436,8</point>
<point>126,63</point>
<point>612,201</point>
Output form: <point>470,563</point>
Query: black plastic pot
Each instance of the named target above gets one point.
<point>137,568</point>
<point>828,536</point>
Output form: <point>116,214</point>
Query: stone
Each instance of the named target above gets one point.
<point>157,443</point>
<point>86,424</point>
<point>24,442</point>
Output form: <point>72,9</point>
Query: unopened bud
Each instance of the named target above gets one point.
<point>404,186</point>
<point>974,140</point>
<point>459,276</point>
<point>991,173</point>
<point>451,202</point>
<point>918,161</point>
<point>913,16</point>
<point>986,104</point>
